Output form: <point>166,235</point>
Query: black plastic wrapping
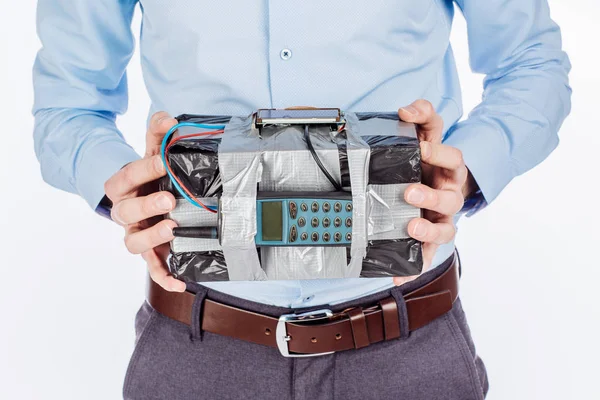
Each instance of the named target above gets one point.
<point>401,257</point>
<point>207,266</point>
<point>394,160</point>
<point>196,164</point>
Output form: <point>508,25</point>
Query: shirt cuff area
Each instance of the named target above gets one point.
<point>486,152</point>
<point>97,164</point>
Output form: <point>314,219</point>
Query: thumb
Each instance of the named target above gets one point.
<point>429,123</point>
<point>159,125</point>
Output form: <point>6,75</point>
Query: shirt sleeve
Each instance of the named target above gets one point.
<point>526,92</point>
<point>80,87</point>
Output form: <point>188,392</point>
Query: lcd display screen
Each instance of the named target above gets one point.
<point>272,221</point>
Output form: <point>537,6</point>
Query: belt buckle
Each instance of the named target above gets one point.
<point>283,338</point>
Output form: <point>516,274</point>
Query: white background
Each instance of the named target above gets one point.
<point>531,273</point>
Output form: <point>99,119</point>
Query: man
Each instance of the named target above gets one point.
<point>230,58</point>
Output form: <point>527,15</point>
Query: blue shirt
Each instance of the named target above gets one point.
<point>233,57</point>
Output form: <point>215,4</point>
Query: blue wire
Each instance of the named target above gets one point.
<point>163,149</point>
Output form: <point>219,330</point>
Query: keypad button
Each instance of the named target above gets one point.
<point>337,207</point>
<point>302,222</point>
<point>349,207</point>
<point>348,237</point>
<point>293,210</point>
<point>314,222</point>
<point>337,237</point>
<point>304,207</point>
<point>315,207</point>
<point>314,237</point>
<point>337,222</point>
<point>349,222</point>
<point>293,234</point>
<point>326,237</point>
<point>326,222</point>
<point>304,236</point>
<point>326,207</point>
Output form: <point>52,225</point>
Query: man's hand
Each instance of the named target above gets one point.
<point>446,182</point>
<point>139,208</point>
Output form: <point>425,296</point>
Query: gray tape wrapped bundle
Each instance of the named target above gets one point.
<point>375,157</point>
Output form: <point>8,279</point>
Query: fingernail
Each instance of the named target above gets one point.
<point>177,288</point>
<point>162,119</point>
<point>416,196</point>
<point>164,203</point>
<point>166,232</point>
<point>158,163</point>
<point>420,229</point>
<point>425,150</point>
<point>411,110</point>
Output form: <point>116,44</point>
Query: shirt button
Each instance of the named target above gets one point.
<point>309,298</point>
<point>285,54</point>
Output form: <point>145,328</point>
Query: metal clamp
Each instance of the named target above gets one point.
<point>283,338</point>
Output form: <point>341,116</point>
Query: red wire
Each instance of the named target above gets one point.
<point>185,189</point>
<point>191,135</point>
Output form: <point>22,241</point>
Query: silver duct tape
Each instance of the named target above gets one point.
<point>186,214</point>
<point>289,166</point>
<point>241,169</point>
<point>387,127</point>
<point>389,214</point>
<point>306,262</point>
<point>388,218</point>
<point>358,165</point>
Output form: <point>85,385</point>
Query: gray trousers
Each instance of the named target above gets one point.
<point>172,361</point>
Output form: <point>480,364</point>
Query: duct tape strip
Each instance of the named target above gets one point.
<point>185,214</point>
<point>388,219</point>
<point>389,214</point>
<point>241,170</point>
<point>289,166</point>
<point>358,164</point>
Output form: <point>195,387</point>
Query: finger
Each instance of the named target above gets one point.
<point>443,156</point>
<point>130,211</point>
<point>430,123</point>
<point>428,232</point>
<point>159,125</point>
<point>132,176</point>
<point>428,251</point>
<point>446,202</point>
<point>160,275</point>
<point>146,239</point>
<point>401,280</point>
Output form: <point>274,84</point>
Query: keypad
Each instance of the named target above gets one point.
<point>325,222</point>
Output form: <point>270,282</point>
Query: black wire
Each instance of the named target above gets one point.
<point>318,160</point>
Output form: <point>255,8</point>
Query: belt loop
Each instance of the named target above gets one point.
<point>197,314</point>
<point>402,312</point>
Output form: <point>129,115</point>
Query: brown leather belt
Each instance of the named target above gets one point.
<point>317,332</point>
